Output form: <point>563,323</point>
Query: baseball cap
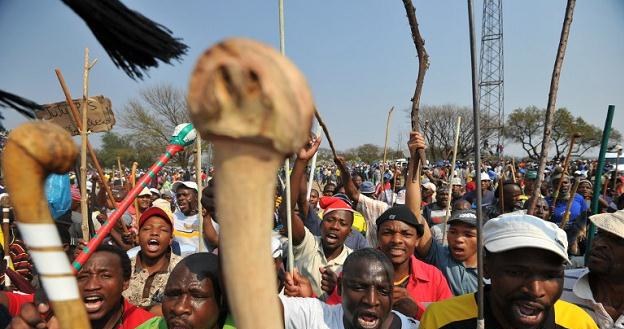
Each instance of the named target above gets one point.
<point>145,191</point>
<point>176,186</point>
<point>485,176</point>
<point>154,191</point>
<point>367,187</point>
<point>456,181</point>
<point>467,216</point>
<point>330,203</point>
<point>610,222</point>
<point>430,186</point>
<point>154,212</point>
<point>514,231</point>
<point>401,213</point>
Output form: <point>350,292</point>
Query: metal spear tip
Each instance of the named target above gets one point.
<point>184,135</point>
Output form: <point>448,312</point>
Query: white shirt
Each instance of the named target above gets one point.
<point>311,313</point>
<point>186,232</point>
<point>576,290</point>
<point>371,209</point>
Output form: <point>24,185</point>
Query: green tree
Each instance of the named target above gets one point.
<point>116,145</point>
<point>526,126</point>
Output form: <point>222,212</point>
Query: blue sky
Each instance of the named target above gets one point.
<point>357,55</point>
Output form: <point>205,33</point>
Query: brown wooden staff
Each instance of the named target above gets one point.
<point>137,212</point>
<point>34,150</point>
<point>566,163</point>
<point>566,214</point>
<point>256,107</point>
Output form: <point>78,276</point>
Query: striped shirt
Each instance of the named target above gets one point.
<point>576,290</point>
<point>461,313</point>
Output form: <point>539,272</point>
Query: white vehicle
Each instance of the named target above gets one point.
<point>612,158</point>
<point>401,162</point>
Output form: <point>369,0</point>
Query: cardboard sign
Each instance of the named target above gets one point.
<point>100,117</point>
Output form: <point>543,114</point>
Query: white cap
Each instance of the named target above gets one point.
<point>154,191</point>
<point>276,247</point>
<point>456,181</point>
<point>485,176</point>
<point>610,222</point>
<point>514,231</point>
<point>176,185</point>
<point>145,191</point>
<point>400,198</point>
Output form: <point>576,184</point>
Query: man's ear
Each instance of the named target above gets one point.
<point>126,284</point>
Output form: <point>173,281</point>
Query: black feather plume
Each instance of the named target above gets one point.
<point>133,41</point>
<point>22,105</point>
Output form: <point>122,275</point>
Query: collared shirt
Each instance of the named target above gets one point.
<point>371,209</point>
<point>461,312</point>
<point>146,289</point>
<point>133,316</point>
<point>461,279</point>
<point>576,290</point>
<point>425,285</point>
<point>309,257</point>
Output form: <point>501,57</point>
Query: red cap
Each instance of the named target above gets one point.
<point>154,211</point>
<point>330,203</point>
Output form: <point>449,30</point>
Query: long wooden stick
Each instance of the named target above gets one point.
<point>78,122</point>
<point>84,206</point>
<point>121,175</point>
<point>313,166</point>
<point>423,65</point>
<point>34,150</point>
<point>137,211</point>
<point>566,214</point>
<point>198,178</point>
<point>566,163</point>
<point>326,131</point>
<point>552,100</point>
<point>450,180</point>
<point>387,132</point>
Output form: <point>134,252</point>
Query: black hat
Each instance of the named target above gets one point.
<point>401,213</point>
<point>467,216</point>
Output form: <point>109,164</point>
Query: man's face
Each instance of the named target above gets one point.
<point>565,185</point>
<point>584,190</point>
<point>457,191</point>
<point>529,186</point>
<point>512,194</point>
<point>335,228</point>
<point>329,190</point>
<point>485,184</point>
<point>101,283</point>
<point>397,240</point>
<point>442,197</point>
<point>542,210</point>
<point>119,194</point>
<point>144,201</point>
<point>606,256</point>
<point>154,197</point>
<point>462,241</point>
<point>314,198</point>
<point>187,200</point>
<point>189,301</point>
<point>357,180</point>
<point>155,237</point>
<point>366,295</point>
<point>526,283</point>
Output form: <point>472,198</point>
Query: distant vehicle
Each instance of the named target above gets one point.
<point>612,158</point>
<point>401,162</point>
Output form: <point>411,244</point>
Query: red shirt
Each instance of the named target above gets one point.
<point>16,300</point>
<point>471,186</point>
<point>426,284</point>
<point>133,316</point>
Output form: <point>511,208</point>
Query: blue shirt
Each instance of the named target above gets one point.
<point>579,207</point>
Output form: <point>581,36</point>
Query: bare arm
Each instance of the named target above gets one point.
<point>350,189</point>
<point>210,234</point>
<point>413,198</point>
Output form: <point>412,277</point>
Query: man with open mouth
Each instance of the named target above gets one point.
<point>366,290</point>
<point>524,260</point>
<point>154,262</point>
<point>599,288</point>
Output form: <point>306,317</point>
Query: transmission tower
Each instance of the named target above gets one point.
<point>491,73</point>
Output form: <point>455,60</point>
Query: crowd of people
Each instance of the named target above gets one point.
<point>374,246</point>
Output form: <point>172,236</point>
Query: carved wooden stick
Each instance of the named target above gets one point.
<point>34,150</point>
<point>256,107</point>
<point>566,163</point>
<point>137,212</point>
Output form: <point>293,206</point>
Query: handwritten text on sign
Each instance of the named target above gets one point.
<point>100,115</point>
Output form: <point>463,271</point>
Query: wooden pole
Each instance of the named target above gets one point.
<point>137,211</point>
<point>566,163</point>
<point>566,214</point>
<point>198,174</point>
<point>450,179</point>
<point>121,175</point>
<point>75,116</point>
<point>313,166</point>
<point>552,100</point>
<point>423,65</point>
<point>386,141</point>
<point>326,131</point>
<point>84,196</point>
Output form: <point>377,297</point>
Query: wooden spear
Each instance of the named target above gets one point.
<point>137,212</point>
<point>423,65</point>
<point>245,115</point>
<point>386,142</point>
<point>552,100</point>
<point>34,150</point>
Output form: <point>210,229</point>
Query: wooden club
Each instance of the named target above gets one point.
<point>256,108</point>
<point>34,150</point>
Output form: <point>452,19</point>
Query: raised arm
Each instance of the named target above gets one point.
<point>413,197</point>
<point>350,189</point>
